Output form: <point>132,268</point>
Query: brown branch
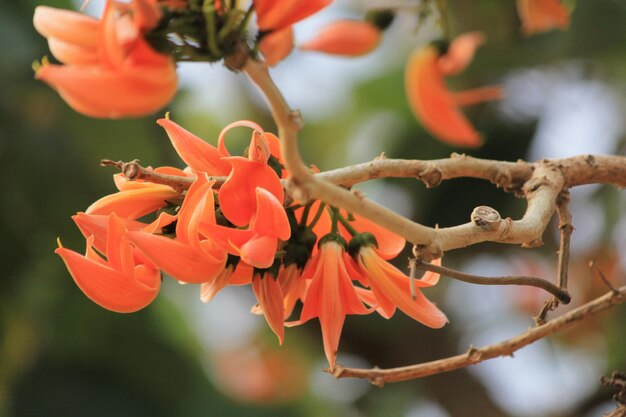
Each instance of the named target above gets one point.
<point>133,170</point>
<point>559,293</point>
<point>473,356</point>
<point>547,179</point>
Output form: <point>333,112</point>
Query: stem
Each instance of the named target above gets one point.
<point>305,214</point>
<point>345,223</point>
<point>318,215</point>
<point>208,9</point>
<point>473,356</point>
<point>559,293</point>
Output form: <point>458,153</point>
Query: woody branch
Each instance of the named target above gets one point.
<point>540,183</point>
<point>476,355</point>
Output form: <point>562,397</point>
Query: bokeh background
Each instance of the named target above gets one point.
<point>62,355</point>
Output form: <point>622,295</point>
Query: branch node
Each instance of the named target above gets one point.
<point>295,118</point>
<point>358,194</point>
<point>431,176</point>
<point>616,380</point>
<point>535,243</point>
<point>502,179</point>
<point>486,217</point>
<point>427,253</point>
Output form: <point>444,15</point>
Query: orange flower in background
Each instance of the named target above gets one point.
<point>438,108</point>
<point>275,19</point>
<point>278,14</point>
<point>110,69</point>
<point>345,37</point>
<point>117,284</point>
<point>331,295</point>
<point>542,15</point>
<point>392,289</point>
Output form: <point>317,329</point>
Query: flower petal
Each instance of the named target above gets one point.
<point>237,196</point>
<point>270,298</point>
<point>109,288</point>
<point>277,45</point>
<point>195,152</point>
<point>270,218</point>
<point>433,104</point>
<point>178,259</point>
<point>278,14</point>
<point>345,37</point>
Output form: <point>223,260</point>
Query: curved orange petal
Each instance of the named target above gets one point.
<point>177,259</point>
<point>278,14</point>
<point>433,104</point>
<point>270,298</point>
<point>270,218</point>
<point>67,26</point>
<point>460,52</point>
<point>259,251</point>
<point>277,45</point>
<point>99,92</point>
<point>221,140</point>
<point>292,286</point>
<point>237,196</point>
<point>134,203</point>
<point>195,152</point>
<point>345,37</point>
<point>110,288</point>
<point>209,289</point>
<point>392,289</point>
<point>70,53</point>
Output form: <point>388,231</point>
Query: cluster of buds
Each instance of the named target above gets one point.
<point>234,226</point>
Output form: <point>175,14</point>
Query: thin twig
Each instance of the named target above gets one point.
<point>596,268</point>
<point>133,170</point>
<point>473,356</point>
<point>562,295</point>
<point>566,229</point>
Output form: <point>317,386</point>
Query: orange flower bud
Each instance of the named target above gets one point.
<point>542,15</point>
<point>345,37</point>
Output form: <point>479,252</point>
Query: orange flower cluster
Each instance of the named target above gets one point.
<point>240,233</point>
<point>110,70</point>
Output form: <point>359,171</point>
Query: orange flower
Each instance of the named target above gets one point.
<point>110,69</point>
<point>542,15</point>
<point>256,245</point>
<point>391,288</point>
<point>190,257</point>
<point>118,284</point>
<point>434,105</point>
<point>276,45</point>
<point>331,295</point>
<point>345,37</point>
<point>267,291</point>
<point>278,14</point>
<point>275,19</point>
